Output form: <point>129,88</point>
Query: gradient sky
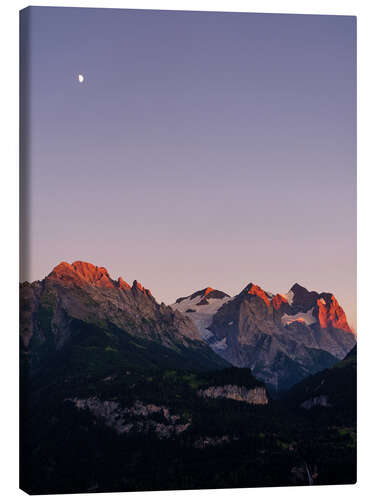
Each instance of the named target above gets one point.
<point>201,149</point>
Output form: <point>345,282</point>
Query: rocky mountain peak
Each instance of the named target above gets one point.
<point>204,295</point>
<point>82,295</point>
<point>62,268</point>
<point>302,298</point>
<point>94,275</point>
<point>331,314</point>
<point>296,287</point>
<point>138,287</point>
<point>279,301</point>
<point>123,284</point>
<point>81,273</point>
<point>211,293</point>
<point>252,289</point>
<point>328,311</point>
<point>296,333</point>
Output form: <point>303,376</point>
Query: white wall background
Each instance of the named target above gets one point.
<point>365,10</point>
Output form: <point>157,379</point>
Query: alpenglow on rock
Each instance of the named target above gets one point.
<point>80,303</point>
<point>283,338</point>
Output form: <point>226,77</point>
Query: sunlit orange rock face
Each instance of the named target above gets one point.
<point>122,284</point>
<point>140,288</point>
<point>85,274</point>
<point>94,275</point>
<point>81,273</point>
<point>296,320</point>
<point>278,300</point>
<point>256,290</point>
<point>330,313</point>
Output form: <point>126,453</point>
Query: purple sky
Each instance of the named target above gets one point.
<point>201,149</point>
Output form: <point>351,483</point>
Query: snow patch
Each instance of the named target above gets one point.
<point>307,318</point>
<point>202,316</point>
<point>289,297</point>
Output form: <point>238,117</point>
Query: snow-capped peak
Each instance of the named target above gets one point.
<point>201,307</point>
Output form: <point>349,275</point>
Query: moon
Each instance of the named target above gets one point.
<point>81,78</point>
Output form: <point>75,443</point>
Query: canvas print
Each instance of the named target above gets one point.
<point>188,250</point>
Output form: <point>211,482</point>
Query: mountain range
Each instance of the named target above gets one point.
<point>79,301</point>
<point>121,393</point>
<point>282,338</point>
